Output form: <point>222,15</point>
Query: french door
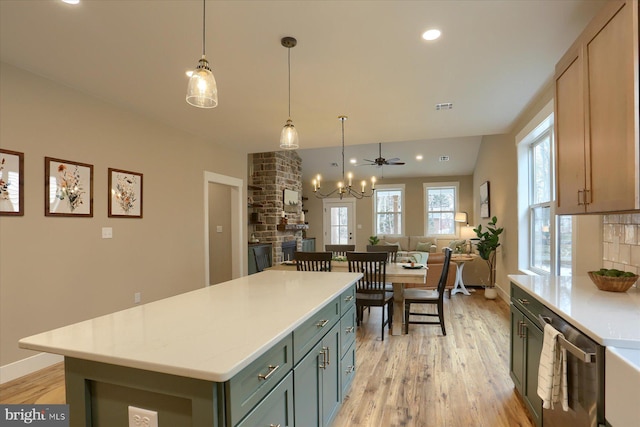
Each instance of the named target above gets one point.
<point>339,218</point>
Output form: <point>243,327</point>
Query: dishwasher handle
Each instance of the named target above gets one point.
<point>570,347</point>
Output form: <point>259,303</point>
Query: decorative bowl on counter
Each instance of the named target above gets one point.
<point>612,283</point>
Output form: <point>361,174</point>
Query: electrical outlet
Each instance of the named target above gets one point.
<point>139,417</point>
<point>107,232</point>
<point>219,229</point>
<point>136,298</point>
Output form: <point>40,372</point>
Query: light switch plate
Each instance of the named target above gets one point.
<point>107,232</point>
<point>219,229</point>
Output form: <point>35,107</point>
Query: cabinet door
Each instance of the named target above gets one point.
<point>570,134</point>
<point>534,337</point>
<point>611,54</point>
<point>331,393</point>
<point>276,409</point>
<point>516,363</point>
<point>317,382</point>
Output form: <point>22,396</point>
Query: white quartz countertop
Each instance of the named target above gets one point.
<point>609,318</point>
<point>210,333</point>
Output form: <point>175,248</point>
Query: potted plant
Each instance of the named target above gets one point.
<point>373,240</point>
<point>487,243</point>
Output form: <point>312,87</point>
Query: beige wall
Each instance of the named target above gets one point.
<point>414,207</point>
<point>219,241</point>
<point>55,271</point>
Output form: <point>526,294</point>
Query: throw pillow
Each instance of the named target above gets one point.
<point>458,246</point>
<point>423,246</point>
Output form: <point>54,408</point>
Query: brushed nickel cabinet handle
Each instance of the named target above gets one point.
<point>266,376</point>
<point>322,323</point>
<point>350,369</point>
<point>523,301</point>
<point>350,329</point>
<point>328,356</point>
<point>323,362</point>
<point>274,425</point>
<point>348,298</point>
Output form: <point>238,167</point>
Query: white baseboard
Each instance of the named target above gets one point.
<point>27,366</point>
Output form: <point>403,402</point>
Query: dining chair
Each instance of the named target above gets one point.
<point>370,291</point>
<point>391,250</point>
<point>423,296</point>
<point>262,255</point>
<point>313,261</point>
<point>339,250</point>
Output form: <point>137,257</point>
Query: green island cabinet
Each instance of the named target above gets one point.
<point>526,345</point>
<point>301,380</point>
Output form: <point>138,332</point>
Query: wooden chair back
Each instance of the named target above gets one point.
<point>373,266</point>
<point>313,261</point>
<point>262,255</point>
<point>391,250</point>
<point>340,250</point>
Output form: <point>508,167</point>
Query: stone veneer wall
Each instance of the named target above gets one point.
<point>621,242</point>
<point>273,172</point>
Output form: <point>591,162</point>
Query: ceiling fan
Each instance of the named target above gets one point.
<point>381,161</point>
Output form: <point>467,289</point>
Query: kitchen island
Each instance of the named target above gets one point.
<point>224,355</point>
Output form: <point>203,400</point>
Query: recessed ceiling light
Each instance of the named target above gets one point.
<point>419,157</point>
<point>353,161</point>
<point>444,158</point>
<point>444,106</point>
<point>71,1</point>
<point>432,34</point>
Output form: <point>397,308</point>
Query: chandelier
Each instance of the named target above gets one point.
<point>345,186</point>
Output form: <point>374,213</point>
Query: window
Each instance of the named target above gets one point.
<point>545,240</point>
<point>441,200</point>
<point>389,207</point>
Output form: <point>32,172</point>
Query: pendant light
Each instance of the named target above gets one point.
<point>289,135</point>
<point>202,91</point>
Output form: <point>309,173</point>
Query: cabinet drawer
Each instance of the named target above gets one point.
<point>347,300</point>
<point>347,330</point>
<point>527,304</point>
<point>348,369</point>
<point>310,332</point>
<point>276,409</point>
<point>247,388</point>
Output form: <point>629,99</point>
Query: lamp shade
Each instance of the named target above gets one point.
<point>202,90</point>
<point>289,136</point>
<point>461,217</point>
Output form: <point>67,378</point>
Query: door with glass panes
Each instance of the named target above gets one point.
<point>339,221</point>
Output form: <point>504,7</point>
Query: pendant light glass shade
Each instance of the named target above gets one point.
<point>202,91</point>
<point>289,136</point>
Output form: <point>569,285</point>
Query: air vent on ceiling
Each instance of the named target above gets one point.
<point>444,158</point>
<point>444,106</point>
<point>334,165</point>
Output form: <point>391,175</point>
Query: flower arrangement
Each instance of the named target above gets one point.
<point>4,185</point>
<point>69,187</point>
<point>125,193</point>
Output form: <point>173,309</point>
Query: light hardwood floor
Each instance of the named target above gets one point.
<point>421,379</point>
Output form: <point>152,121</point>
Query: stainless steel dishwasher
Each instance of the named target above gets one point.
<point>585,377</point>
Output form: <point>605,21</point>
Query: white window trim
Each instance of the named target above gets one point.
<point>536,127</point>
<point>425,186</point>
<point>379,187</point>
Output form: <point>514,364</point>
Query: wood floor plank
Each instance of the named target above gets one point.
<point>422,379</point>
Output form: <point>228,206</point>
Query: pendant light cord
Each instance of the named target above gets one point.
<point>289,66</point>
<point>204,11</point>
<point>342,119</point>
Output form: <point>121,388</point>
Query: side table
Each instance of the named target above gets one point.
<point>460,259</point>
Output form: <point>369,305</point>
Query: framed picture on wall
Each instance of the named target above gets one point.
<point>125,194</point>
<point>68,188</point>
<point>11,183</point>
<point>290,200</point>
<point>485,211</point>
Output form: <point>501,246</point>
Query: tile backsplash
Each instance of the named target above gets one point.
<point>621,242</point>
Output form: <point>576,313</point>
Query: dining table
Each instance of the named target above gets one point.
<point>398,274</point>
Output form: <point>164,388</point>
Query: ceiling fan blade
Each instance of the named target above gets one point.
<point>395,159</point>
<point>367,160</point>
<point>396,164</point>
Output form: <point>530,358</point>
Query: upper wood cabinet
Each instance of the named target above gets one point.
<point>596,115</point>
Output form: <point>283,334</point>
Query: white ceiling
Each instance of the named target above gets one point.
<point>363,59</point>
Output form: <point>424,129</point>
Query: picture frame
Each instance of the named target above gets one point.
<point>124,194</point>
<point>11,183</point>
<point>290,200</point>
<point>68,188</point>
<point>485,208</point>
